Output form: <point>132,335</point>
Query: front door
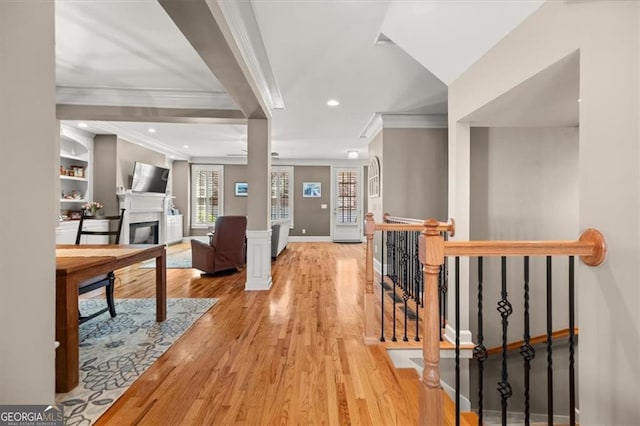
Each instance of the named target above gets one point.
<point>347,204</point>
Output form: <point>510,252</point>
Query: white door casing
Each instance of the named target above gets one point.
<point>346,195</point>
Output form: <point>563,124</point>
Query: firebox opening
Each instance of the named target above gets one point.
<point>143,233</point>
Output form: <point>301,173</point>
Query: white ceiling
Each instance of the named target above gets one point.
<point>111,52</point>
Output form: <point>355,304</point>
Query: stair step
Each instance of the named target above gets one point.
<point>410,382</point>
<point>467,418</point>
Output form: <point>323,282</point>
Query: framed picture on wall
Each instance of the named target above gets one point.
<point>242,189</point>
<point>311,189</point>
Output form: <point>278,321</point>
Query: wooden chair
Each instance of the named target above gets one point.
<point>106,280</point>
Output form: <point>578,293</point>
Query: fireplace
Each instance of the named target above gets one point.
<point>143,232</point>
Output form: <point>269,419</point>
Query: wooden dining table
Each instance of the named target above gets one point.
<point>76,263</point>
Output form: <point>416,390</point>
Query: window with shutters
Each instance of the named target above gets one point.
<point>206,194</point>
<point>282,193</point>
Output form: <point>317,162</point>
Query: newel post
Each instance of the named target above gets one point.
<point>431,254</point>
<point>369,301</point>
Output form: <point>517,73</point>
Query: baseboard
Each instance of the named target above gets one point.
<point>465,404</point>
<point>518,417</point>
<point>450,335</point>
<point>310,239</point>
<point>377,266</point>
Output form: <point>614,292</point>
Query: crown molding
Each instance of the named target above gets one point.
<point>242,22</point>
<point>283,161</point>
<point>165,98</point>
<point>414,121</point>
<point>372,128</point>
<point>379,121</point>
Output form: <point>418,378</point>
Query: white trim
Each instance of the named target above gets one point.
<point>515,417</point>
<point>372,128</point>
<point>465,335</point>
<point>410,121</point>
<point>283,161</point>
<point>258,260</point>
<point>166,98</point>
<point>360,198</point>
<point>310,239</point>
<point>465,404</point>
<point>379,121</point>
<point>377,266</point>
<point>290,170</point>
<point>243,25</point>
<point>208,167</point>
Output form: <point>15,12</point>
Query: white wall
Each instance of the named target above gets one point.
<point>29,148</point>
<point>606,35</point>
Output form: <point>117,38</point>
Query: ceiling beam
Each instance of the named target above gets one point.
<point>203,25</point>
<point>149,114</point>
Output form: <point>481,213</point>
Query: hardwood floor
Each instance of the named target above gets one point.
<point>292,355</point>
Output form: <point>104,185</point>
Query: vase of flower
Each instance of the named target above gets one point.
<point>93,208</point>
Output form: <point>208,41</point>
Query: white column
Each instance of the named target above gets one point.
<point>459,209</point>
<point>258,205</point>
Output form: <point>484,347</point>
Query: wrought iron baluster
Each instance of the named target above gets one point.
<point>479,351</point>
<point>382,267</point>
<point>549,343</point>
<point>444,290</point>
<point>404,257</point>
<point>526,350</point>
<point>572,377</point>
<point>394,254</point>
<point>505,309</point>
<point>417,279</point>
<point>457,315</point>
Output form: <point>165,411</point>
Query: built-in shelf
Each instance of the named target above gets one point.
<point>73,178</point>
<point>75,169</point>
<point>72,157</point>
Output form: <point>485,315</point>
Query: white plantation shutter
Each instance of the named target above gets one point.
<point>206,194</point>
<point>281,193</point>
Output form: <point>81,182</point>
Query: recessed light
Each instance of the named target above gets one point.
<point>83,125</point>
<point>333,102</point>
<point>172,156</point>
<point>151,130</point>
<point>185,146</point>
<point>352,155</point>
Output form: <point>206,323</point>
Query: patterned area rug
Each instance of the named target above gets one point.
<point>114,352</point>
<point>179,260</point>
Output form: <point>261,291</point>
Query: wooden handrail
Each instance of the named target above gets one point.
<point>591,248</point>
<point>399,227</point>
<point>441,227</point>
<point>558,334</point>
<point>387,217</point>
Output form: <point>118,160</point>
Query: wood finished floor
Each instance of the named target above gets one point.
<point>291,355</point>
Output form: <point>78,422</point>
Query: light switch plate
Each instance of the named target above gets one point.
<point>323,206</point>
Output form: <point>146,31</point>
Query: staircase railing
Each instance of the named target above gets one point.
<point>402,275</point>
<point>433,250</point>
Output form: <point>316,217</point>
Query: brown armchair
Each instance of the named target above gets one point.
<point>226,249</point>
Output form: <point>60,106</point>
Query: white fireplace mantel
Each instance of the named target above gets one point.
<point>144,207</point>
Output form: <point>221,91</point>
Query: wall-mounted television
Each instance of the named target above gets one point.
<point>148,178</point>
